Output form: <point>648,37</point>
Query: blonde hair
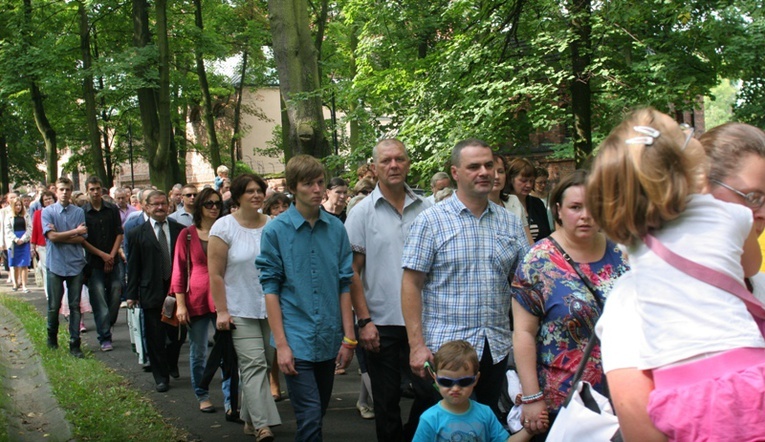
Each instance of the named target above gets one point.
<point>455,355</point>
<point>12,203</point>
<point>634,188</point>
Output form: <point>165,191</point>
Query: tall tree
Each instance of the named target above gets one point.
<point>296,59</point>
<point>204,86</point>
<point>89,93</point>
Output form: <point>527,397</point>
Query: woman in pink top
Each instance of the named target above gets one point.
<point>191,285</point>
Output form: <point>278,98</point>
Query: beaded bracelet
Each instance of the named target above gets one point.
<point>533,398</point>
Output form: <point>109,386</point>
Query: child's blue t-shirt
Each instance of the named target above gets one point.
<point>478,424</point>
<point>217,182</point>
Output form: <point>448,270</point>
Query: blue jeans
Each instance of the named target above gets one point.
<point>198,330</point>
<point>310,391</point>
<point>105,290</point>
<point>55,285</point>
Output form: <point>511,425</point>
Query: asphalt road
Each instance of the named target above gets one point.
<point>179,405</point>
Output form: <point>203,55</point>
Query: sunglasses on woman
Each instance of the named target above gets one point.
<point>210,204</point>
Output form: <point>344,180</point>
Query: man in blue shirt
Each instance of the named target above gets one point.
<point>305,269</point>
<point>64,228</point>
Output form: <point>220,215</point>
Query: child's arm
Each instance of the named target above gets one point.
<point>524,435</point>
<point>751,259</point>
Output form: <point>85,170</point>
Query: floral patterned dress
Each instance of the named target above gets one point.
<point>548,287</point>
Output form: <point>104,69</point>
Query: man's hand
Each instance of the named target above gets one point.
<point>344,357</point>
<point>417,358</point>
<point>82,229</point>
<point>369,337</point>
<point>131,303</point>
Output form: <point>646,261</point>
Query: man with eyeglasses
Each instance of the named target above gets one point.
<point>150,261</point>
<point>185,214</point>
<point>377,228</point>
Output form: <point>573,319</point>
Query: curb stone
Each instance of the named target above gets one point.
<point>32,412</point>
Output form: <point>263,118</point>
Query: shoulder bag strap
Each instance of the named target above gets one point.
<point>188,261</point>
<point>593,338</point>
<point>705,274</point>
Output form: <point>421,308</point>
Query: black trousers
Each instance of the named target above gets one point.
<point>163,344</point>
<point>385,369</point>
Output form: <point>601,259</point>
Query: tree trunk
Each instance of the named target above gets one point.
<point>154,104</point>
<point>581,94</point>
<point>212,138</point>
<point>89,92</point>
<point>236,137</point>
<point>4,184</point>
<point>41,120</point>
<point>297,63</point>
<point>47,132</point>
<point>161,161</point>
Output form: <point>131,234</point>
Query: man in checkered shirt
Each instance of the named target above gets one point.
<point>458,258</point>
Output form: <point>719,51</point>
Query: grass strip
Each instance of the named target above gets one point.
<point>99,403</point>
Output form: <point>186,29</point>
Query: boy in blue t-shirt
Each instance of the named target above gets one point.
<point>456,417</point>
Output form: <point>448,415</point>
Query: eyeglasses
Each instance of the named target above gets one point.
<point>753,200</point>
<point>449,382</point>
<point>159,204</point>
<point>209,204</point>
<point>189,195</point>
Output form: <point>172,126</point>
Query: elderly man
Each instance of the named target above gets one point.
<point>457,262</point>
<point>377,228</point>
<point>122,200</point>
<point>185,213</point>
<point>175,195</point>
<point>439,182</point>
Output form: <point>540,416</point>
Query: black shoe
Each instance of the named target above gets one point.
<point>76,352</point>
<point>174,373</point>
<point>52,343</point>
<point>233,416</point>
<point>146,368</point>
<point>162,387</point>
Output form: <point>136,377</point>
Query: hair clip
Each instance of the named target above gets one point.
<point>647,130</point>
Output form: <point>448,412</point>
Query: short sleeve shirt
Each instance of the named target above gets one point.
<point>244,294</point>
<point>469,262</point>
<point>378,231</point>
<point>477,424</point>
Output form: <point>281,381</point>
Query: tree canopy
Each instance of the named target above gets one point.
<point>83,75</point>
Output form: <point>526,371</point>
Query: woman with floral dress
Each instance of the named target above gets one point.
<point>558,295</point>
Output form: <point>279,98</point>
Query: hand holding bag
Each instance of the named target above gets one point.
<point>586,415</point>
<point>170,306</point>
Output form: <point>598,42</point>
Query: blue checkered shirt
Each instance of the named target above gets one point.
<point>468,262</point>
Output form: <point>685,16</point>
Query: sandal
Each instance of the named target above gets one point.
<point>206,407</point>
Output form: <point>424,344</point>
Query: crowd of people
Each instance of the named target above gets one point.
<point>497,269</point>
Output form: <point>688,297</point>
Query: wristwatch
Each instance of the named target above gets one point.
<point>362,322</point>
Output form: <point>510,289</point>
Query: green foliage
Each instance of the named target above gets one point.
<point>240,168</point>
<point>718,105</point>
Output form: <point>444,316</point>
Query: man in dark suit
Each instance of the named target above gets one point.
<point>150,257</point>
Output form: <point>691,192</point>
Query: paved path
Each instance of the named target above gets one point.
<point>179,405</point>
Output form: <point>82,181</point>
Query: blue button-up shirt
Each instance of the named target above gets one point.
<point>469,262</point>
<point>308,268</point>
<point>63,259</point>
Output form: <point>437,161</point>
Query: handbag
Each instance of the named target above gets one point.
<point>586,415</point>
<point>170,306</point>
<point>710,276</point>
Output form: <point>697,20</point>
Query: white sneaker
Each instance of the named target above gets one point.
<point>365,410</point>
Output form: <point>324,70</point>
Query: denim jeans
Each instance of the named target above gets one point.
<point>105,290</point>
<point>310,391</point>
<point>55,284</point>
<point>198,333</point>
